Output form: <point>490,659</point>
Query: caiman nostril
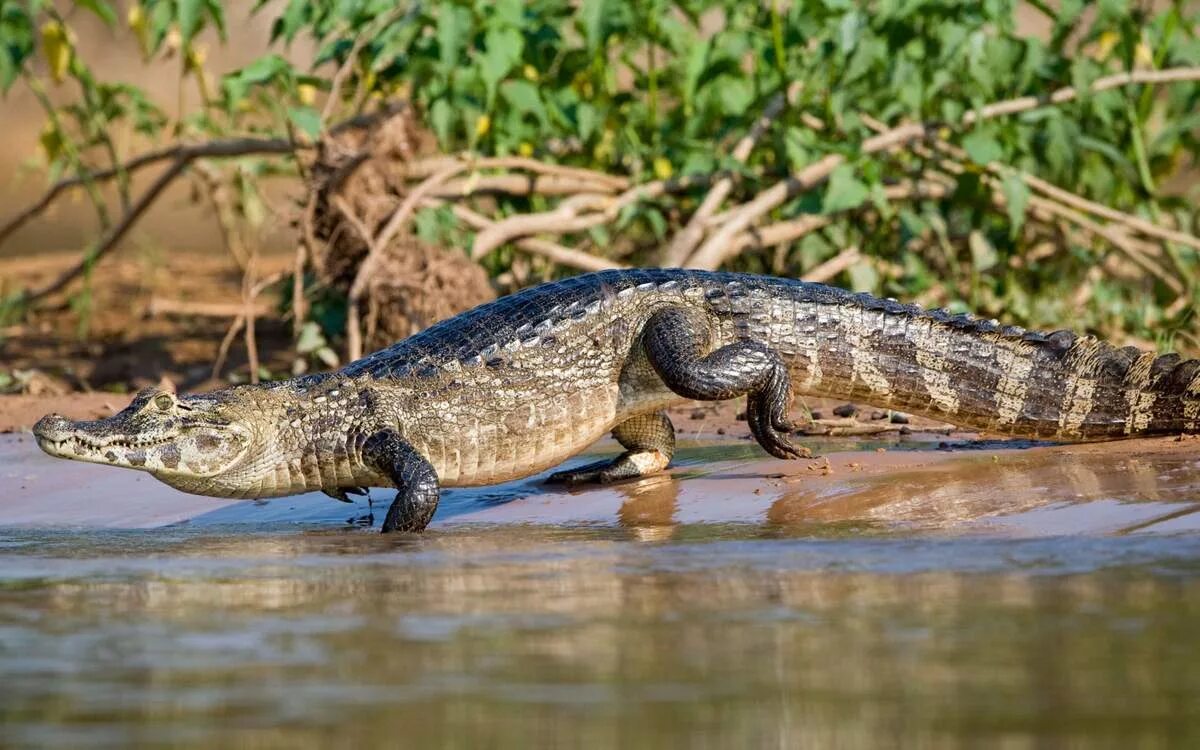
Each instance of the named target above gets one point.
<point>51,426</point>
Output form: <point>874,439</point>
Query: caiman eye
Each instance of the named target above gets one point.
<point>164,401</point>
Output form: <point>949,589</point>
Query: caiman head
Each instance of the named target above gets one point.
<point>189,442</point>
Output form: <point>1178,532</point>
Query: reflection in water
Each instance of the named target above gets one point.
<point>650,506</point>
<point>527,636</point>
<point>952,493</point>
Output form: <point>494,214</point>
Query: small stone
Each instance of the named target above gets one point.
<point>817,415</point>
<point>876,415</point>
<point>845,410</point>
<point>905,431</point>
<point>741,416</point>
<point>698,414</point>
<point>899,418</point>
<point>720,430</point>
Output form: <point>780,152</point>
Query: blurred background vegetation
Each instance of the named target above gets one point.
<point>381,165</point>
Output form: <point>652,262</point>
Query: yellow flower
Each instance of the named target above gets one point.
<point>482,126</point>
<point>662,168</point>
<point>306,93</point>
<point>195,57</point>
<point>530,72</point>
<point>1142,56</point>
<point>525,149</point>
<point>1105,45</point>
<point>51,142</point>
<point>56,45</point>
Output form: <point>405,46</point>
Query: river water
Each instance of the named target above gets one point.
<point>1020,599</point>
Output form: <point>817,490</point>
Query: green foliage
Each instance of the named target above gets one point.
<point>650,89</point>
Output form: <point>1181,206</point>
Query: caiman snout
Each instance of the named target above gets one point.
<point>52,427</point>
<point>57,435</point>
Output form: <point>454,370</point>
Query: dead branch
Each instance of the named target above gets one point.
<point>835,265</point>
<point>566,217</point>
<point>226,342</point>
<point>1066,197</point>
<point>552,251</point>
<point>179,152</point>
<point>189,308</point>
<point>519,184</point>
<point>110,239</point>
<point>686,239</point>
<point>1066,94</point>
<point>717,248</point>
<point>428,167</point>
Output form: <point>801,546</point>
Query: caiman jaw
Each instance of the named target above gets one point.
<point>64,438</point>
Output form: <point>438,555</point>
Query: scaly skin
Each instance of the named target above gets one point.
<point>518,385</point>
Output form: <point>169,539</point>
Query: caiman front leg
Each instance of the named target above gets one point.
<point>414,477</point>
<point>678,351</point>
<point>649,442</point>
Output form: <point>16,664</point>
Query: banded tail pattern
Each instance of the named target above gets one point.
<point>976,373</point>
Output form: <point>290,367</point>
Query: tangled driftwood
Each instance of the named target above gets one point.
<point>355,187</point>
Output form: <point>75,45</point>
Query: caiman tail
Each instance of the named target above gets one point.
<point>979,374</point>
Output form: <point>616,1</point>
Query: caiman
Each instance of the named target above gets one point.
<point>515,386</point>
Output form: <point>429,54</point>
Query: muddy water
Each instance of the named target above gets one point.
<point>1041,597</point>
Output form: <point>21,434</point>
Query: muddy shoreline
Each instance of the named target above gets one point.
<point>921,480</point>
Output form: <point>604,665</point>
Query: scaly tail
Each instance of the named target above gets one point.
<point>978,374</point>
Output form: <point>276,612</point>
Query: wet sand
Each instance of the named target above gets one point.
<point>921,482</point>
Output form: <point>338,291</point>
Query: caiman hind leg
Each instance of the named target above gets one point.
<point>414,477</point>
<point>678,352</point>
<point>649,442</point>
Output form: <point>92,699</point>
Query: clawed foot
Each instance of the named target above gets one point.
<point>766,413</point>
<point>342,493</point>
<point>628,465</point>
<point>593,473</point>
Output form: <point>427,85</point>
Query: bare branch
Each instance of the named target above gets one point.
<point>186,152</point>
<point>428,167</point>
<point>832,267</point>
<point>552,251</point>
<point>106,243</point>
<point>717,248</point>
<point>520,184</point>
<point>561,220</point>
<point>686,239</point>
<point>714,250</point>
<point>1025,103</point>
<point>179,152</point>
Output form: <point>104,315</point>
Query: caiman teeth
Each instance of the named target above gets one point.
<point>87,442</point>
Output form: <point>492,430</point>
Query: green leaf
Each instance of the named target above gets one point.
<point>523,97</point>
<point>983,253</point>
<point>502,52</point>
<point>307,119</point>
<point>863,277</point>
<point>845,190</point>
<point>453,25</point>
<point>795,141</point>
<point>982,147</point>
<point>263,69</point>
<point>16,31</point>
<point>586,120</point>
<point>217,12</point>
<point>592,15</point>
<point>101,9</point>
<point>441,117</point>
<point>736,95</point>
<point>189,18</point>
<point>310,339</point>
<point>1016,199</point>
